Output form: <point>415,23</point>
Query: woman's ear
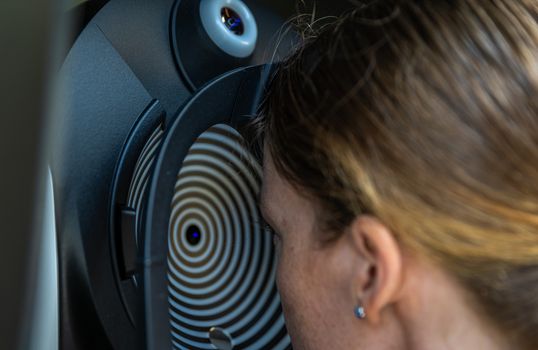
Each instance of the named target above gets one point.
<point>378,280</point>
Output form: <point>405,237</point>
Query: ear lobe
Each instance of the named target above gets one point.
<point>379,280</point>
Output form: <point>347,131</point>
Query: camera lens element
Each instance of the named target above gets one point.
<point>193,235</point>
<point>232,20</point>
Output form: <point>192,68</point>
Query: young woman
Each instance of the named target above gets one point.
<point>401,178</point>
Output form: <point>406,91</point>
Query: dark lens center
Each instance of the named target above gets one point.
<point>232,21</point>
<point>193,234</point>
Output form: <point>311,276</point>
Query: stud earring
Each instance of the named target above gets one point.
<point>360,313</point>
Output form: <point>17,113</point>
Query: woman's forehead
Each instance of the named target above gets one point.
<point>269,200</point>
<point>281,204</point>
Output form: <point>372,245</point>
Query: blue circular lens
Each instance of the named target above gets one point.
<point>193,235</point>
<point>232,20</point>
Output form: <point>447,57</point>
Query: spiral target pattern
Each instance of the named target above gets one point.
<point>221,266</point>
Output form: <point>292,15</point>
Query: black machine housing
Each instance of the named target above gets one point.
<point>141,75</point>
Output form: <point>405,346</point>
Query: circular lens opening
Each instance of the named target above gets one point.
<point>232,20</point>
<point>193,235</point>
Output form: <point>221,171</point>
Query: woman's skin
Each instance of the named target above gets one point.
<point>410,303</point>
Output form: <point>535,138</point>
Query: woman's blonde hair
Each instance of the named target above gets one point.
<point>424,114</point>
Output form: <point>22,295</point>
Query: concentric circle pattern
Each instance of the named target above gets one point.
<point>227,279</point>
<point>142,172</point>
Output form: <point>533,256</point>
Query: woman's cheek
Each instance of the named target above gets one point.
<point>279,266</point>
<point>276,245</point>
<point>287,275</point>
<point>282,271</point>
<point>283,285</point>
<point>293,304</point>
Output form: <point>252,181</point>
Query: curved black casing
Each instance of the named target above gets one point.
<point>119,81</point>
<point>231,99</point>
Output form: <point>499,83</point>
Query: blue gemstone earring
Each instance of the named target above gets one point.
<point>360,313</point>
